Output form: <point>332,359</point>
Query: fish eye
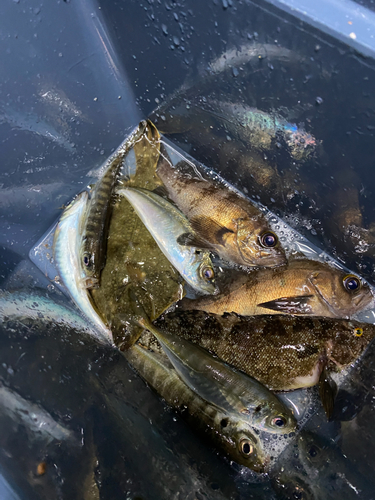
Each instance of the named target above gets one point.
<point>358,332</point>
<point>207,273</point>
<point>268,240</point>
<point>246,447</point>
<point>313,451</point>
<point>351,283</point>
<point>86,260</point>
<point>279,421</point>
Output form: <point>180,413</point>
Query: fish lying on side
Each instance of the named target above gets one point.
<point>66,246</point>
<point>222,220</point>
<point>95,230</point>
<point>282,352</point>
<point>219,384</point>
<point>302,287</point>
<point>166,224</point>
<point>233,436</point>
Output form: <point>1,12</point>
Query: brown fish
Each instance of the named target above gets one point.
<point>282,352</point>
<point>302,287</point>
<point>224,221</point>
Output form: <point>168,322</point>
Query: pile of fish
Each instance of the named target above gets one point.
<point>185,275</point>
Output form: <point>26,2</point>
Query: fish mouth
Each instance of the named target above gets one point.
<point>268,260</point>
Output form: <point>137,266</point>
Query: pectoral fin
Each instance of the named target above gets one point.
<point>327,392</point>
<point>290,305</point>
<point>192,240</point>
<point>210,229</point>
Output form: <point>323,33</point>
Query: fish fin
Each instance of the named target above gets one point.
<point>125,331</point>
<point>210,229</point>
<point>289,305</point>
<point>192,240</point>
<point>161,191</point>
<point>327,392</point>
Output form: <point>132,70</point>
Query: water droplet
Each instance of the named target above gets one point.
<point>318,101</point>
<point>235,72</point>
<point>164,29</point>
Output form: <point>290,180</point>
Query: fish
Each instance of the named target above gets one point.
<point>282,352</point>
<point>224,221</point>
<point>221,385</point>
<point>166,224</point>
<point>303,287</point>
<point>233,436</point>
<point>66,247</point>
<point>95,231</point>
<point>132,256</point>
<point>260,129</point>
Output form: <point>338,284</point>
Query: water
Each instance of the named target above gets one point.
<point>47,149</point>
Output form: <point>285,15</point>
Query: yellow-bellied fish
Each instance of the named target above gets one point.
<point>223,386</point>
<point>302,287</point>
<point>166,224</point>
<point>94,240</point>
<point>222,220</point>
<point>233,436</point>
<point>66,245</point>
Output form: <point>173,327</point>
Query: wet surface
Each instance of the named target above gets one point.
<point>77,421</point>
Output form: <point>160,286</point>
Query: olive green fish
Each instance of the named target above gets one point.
<point>133,257</point>
<point>233,436</point>
<point>223,221</point>
<point>95,231</point>
<point>282,352</point>
<point>302,287</point>
<point>166,224</point>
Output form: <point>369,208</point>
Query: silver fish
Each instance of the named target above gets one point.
<point>66,245</point>
<point>219,384</point>
<point>166,223</point>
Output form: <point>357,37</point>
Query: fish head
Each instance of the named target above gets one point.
<point>243,445</point>
<point>294,484</point>
<point>258,245</point>
<point>343,294</point>
<point>88,265</point>
<point>202,272</point>
<point>350,341</point>
<point>274,417</point>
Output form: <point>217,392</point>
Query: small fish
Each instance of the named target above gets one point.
<point>233,436</point>
<point>302,287</point>
<point>282,352</point>
<point>166,224</point>
<point>222,220</point>
<point>219,384</point>
<point>93,246</point>
<point>259,129</point>
<point>66,245</point>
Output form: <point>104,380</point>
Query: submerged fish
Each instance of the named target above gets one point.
<point>223,221</point>
<point>232,435</point>
<point>282,352</point>
<point>66,244</point>
<point>302,287</point>
<point>223,386</point>
<point>166,224</point>
<point>95,231</point>
<point>259,129</point>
